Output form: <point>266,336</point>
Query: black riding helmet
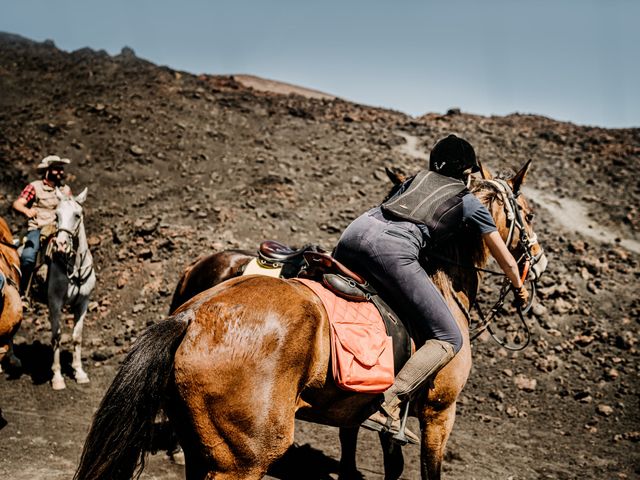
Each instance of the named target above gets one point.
<point>454,157</point>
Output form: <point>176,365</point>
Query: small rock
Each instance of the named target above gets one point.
<point>512,411</point>
<point>138,307</point>
<point>583,340</point>
<point>145,253</point>
<point>591,287</point>
<point>538,309</point>
<point>101,355</point>
<point>561,306</point>
<point>604,410</point>
<point>136,150</point>
<point>123,279</point>
<point>547,363</point>
<point>611,374</point>
<point>524,383</point>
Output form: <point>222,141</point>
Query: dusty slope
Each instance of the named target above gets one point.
<point>178,165</point>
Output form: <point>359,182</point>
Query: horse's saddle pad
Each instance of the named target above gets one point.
<point>361,351</point>
<point>256,267</point>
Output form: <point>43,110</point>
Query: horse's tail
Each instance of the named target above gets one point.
<point>122,427</point>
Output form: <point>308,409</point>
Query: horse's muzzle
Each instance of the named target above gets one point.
<point>539,265</point>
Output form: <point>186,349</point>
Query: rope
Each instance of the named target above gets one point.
<point>9,244</point>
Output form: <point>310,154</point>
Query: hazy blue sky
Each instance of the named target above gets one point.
<point>574,60</point>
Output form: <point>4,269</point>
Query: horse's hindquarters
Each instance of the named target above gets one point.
<point>254,344</point>
<point>11,314</point>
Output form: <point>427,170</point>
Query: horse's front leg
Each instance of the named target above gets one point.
<point>436,426</point>
<point>80,312</point>
<point>14,362</point>
<point>56,291</point>
<point>57,382</point>
<point>348,442</point>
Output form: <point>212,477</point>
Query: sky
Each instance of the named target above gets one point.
<point>571,60</point>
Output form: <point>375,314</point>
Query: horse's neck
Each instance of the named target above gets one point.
<point>460,279</point>
<point>83,255</point>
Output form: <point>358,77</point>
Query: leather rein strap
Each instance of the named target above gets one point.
<point>9,244</point>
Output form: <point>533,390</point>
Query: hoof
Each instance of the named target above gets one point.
<point>81,376</point>
<point>57,383</point>
<point>177,457</point>
<point>14,362</point>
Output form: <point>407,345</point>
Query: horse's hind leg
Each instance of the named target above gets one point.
<point>348,442</point>
<point>393,458</point>
<point>228,435</point>
<point>80,312</point>
<point>209,456</point>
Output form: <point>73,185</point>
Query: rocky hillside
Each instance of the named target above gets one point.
<point>179,165</point>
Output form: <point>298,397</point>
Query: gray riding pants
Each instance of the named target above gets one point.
<point>386,251</point>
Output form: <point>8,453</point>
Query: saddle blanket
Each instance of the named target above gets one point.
<point>361,350</point>
<point>254,267</point>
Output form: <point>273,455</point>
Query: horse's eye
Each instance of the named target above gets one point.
<point>529,217</point>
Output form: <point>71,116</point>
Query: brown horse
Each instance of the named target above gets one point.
<point>10,302</point>
<point>237,363</point>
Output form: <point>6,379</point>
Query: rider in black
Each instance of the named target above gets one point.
<point>388,243</point>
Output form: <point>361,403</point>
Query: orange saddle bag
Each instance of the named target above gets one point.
<point>361,350</point>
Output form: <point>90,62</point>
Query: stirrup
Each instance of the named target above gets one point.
<point>401,436</point>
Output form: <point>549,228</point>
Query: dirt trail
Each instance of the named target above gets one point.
<point>411,147</point>
<point>574,216</point>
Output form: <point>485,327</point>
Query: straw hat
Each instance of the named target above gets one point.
<point>51,160</point>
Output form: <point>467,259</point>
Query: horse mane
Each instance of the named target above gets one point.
<point>453,270</point>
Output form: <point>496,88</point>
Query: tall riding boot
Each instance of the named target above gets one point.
<point>422,365</point>
<point>26,270</point>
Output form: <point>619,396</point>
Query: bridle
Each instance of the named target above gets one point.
<point>69,255</point>
<point>534,265</point>
<point>526,242</point>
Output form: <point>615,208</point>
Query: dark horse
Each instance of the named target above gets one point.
<point>237,363</point>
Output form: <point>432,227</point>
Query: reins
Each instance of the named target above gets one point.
<point>9,244</point>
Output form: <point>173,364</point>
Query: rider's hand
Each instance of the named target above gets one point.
<point>30,212</point>
<point>522,296</point>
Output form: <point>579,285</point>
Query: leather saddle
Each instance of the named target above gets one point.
<point>342,281</point>
<point>312,262</point>
<point>274,254</point>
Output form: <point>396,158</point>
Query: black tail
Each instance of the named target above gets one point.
<point>122,426</point>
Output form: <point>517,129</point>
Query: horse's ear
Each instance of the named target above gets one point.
<point>396,178</point>
<point>484,171</point>
<point>82,197</point>
<point>517,181</point>
<point>59,194</point>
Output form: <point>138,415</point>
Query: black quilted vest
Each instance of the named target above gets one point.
<point>433,200</point>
